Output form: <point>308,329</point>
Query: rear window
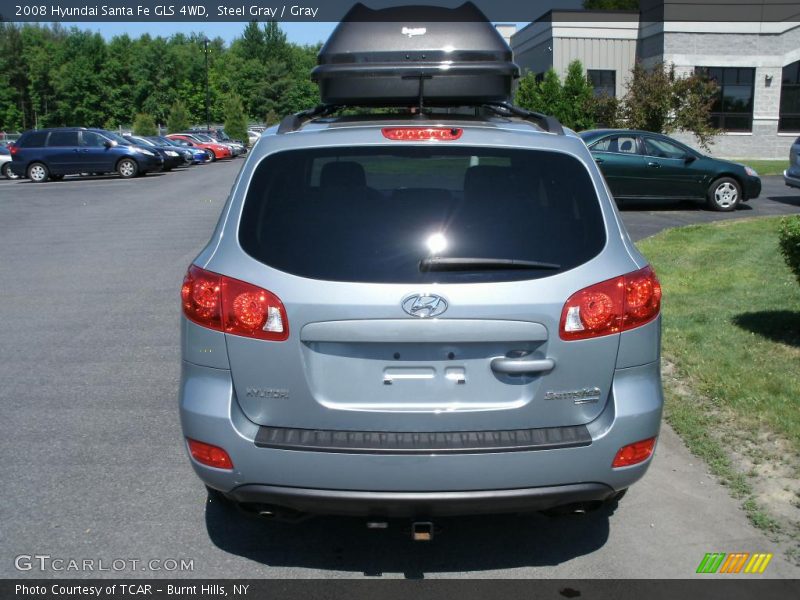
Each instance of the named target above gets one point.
<point>34,139</point>
<point>375,214</point>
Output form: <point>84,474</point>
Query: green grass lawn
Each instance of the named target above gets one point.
<point>765,167</point>
<point>731,339</point>
<point>731,322</point>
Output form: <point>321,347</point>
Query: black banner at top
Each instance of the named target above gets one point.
<point>49,11</point>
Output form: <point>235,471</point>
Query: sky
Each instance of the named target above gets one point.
<point>299,33</point>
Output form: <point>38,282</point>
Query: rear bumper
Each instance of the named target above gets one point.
<point>791,177</point>
<point>330,482</point>
<point>419,504</point>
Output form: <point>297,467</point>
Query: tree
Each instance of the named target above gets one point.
<point>272,118</point>
<point>657,100</point>
<point>545,95</point>
<point>611,4</point>
<point>235,119</point>
<point>51,76</point>
<point>570,103</point>
<point>527,94</point>
<point>78,82</point>
<point>144,124</point>
<point>577,95</point>
<point>252,43</point>
<point>178,119</point>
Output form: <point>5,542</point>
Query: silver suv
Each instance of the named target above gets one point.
<point>416,315</point>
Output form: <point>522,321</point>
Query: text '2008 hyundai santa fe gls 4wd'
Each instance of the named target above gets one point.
<point>420,313</point>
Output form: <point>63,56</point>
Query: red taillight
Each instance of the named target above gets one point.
<point>211,456</point>
<point>233,306</point>
<point>13,149</point>
<point>611,306</point>
<point>633,454</point>
<point>415,134</point>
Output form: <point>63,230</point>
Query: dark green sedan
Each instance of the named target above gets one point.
<point>640,165</point>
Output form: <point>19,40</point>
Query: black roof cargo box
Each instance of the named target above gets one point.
<point>414,54</point>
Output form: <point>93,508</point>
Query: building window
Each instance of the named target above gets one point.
<point>604,82</point>
<point>733,106</point>
<point>790,98</point>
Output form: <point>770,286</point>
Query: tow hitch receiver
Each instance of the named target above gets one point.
<point>422,531</point>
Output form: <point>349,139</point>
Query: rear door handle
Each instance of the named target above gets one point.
<point>518,366</point>
<point>655,165</point>
<point>599,161</point>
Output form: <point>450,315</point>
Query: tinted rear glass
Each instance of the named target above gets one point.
<point>33,140</point>
<point>372,214</point>
<point>63,138</point>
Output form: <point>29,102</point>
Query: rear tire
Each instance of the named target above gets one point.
<point>8,173</point>
<point>38,173</point>
<point>724,194</point>
<point>211,156</point>
<point>127,168</point>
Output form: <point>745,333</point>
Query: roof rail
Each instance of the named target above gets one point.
<point>548,123</point>
<point>294,122</point>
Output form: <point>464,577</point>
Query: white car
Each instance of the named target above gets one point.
<point>252,136</point>
<point>5,164</point>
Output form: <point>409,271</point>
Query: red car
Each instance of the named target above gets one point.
<point>217,151</point>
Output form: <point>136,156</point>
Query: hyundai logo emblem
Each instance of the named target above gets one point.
<point>424,306</point>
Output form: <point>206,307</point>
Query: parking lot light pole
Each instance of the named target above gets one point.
<point>208,118</point>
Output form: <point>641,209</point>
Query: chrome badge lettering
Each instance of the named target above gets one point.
<point>267,393</point>
<point>584,396</point>
<point>412,31</point>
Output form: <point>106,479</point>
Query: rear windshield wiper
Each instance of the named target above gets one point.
<point>439,263</point>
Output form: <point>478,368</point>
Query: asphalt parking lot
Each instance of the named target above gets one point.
<point>93,464</point>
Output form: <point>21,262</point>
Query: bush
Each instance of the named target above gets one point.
<point>605,111</point>
<point>789,237</point>
<point>144,124</point>
<point>658,100</point>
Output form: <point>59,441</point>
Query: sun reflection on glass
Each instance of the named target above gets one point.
<point>436,243</point>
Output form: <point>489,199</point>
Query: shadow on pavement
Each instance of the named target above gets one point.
<point>108,177</point>
<point>668,206</point>
<point>777,325</point>
<point>479,543</point>
<point>793,200</point>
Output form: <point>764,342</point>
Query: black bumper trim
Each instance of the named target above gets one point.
<point>452,442</point>
<point>417,504</point>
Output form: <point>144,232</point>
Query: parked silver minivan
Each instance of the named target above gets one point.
<point>420,314</point>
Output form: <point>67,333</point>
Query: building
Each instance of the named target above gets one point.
<point>755,63</point>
